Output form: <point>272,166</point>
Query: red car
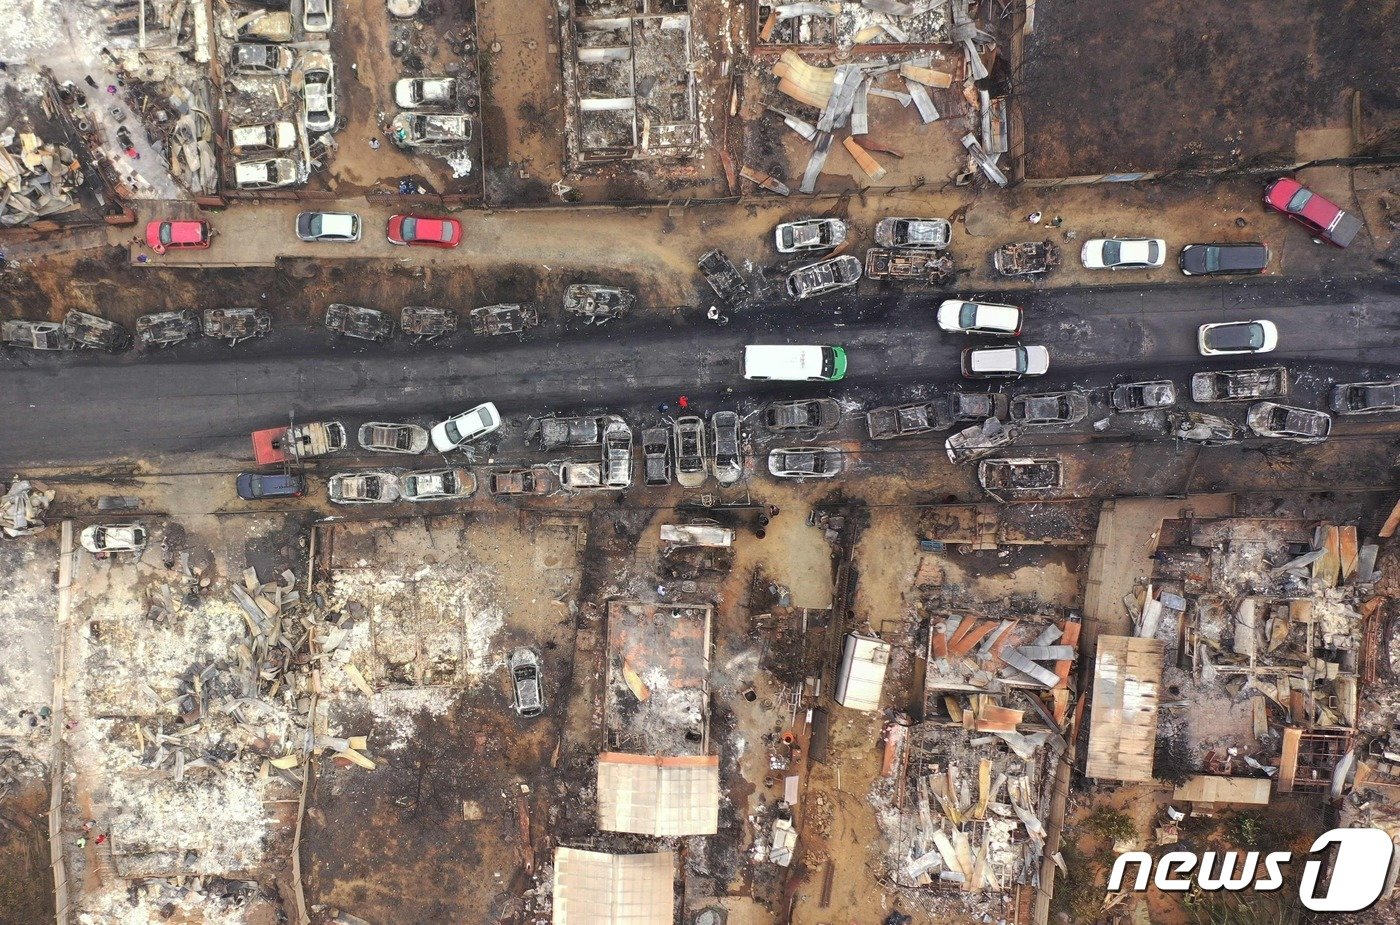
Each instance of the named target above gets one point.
<point>161,236</point>
<point>1320,216</point>
<point>421,229</point>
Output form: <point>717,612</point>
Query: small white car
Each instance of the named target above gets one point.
<point>1123,253</point>
<point>328,226</point>
<point>1232,337</point>
<point>961,317</point>
<point>809,234</point>
<point>316,15</point>
<point>107,538</point>
<point>1005,362</point>
<point>465,427</point>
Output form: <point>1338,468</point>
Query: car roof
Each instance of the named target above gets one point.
<point>1235,335</point>
<point>988,359</point>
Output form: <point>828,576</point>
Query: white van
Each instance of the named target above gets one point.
<point>794,363</point>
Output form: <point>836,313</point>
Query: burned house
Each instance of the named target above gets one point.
<point>628,72</point>
<point>657,700</point>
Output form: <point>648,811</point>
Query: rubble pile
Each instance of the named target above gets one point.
<point>22,509</point>
<point>38,178</point>
<point>839,95</point>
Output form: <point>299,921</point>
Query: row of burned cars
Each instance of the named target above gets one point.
<point>85,331</point>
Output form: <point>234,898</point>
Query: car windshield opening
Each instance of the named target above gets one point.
<point>165,233</point>
<point>446,233</point>
<point>967,316</point>
<point>409,227</point>
<point>453,433</point>
<point>1299,200</point>
<point>1212,259</point>
<point>828,362</point>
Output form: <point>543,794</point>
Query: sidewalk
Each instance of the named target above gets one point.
<point>659,245</point>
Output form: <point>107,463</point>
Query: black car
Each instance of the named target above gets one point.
<point>254,486</point>
<point>1208,259</point>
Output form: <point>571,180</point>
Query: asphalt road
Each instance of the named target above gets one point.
<point>205,397</point>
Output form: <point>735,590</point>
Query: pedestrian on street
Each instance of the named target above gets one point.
<point>374,143</point>
<point>88,826</point>
<point>102,838</point>
<point>663,407</point>
<point>683,402</point>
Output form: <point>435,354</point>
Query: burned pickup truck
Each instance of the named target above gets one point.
<point>359,322</point>
<point>164,329</point>
<point>299,441</point>
<point>909,266</point>
<point>34,335</point>
<point>236,324</point>
<point>1240,384</point>
<point>1026,258</point>
<point>597,304</point>
<point>90,332</point>
<point>901,421</point>
<point>1000,477</point>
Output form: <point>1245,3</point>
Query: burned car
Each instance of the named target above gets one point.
<point>1305,425</point>
<point>437,485</point>
<point>386,437</point>
<point>909,265</point>
<point>656,456</point>
<point>534,480</point>
<point>958,406</point>
<point>1048,409</point>
<point>35,335</point>
<point>363,487</point>
<point>597,304</point>
<point>1239,384</point>
<point>688,436</point>
<point>809,234</point>
<point>423,322</point>
<point>724,278</point>
<point>933,233</point>
<point>359,322</point>
<point>586,430</point>
<point>236,324</point>
<point>1026,258</point>
<point>93,333</point>
<point>979,440</point>
<point>163,329</point>
<point>617,454</point>
<point>805,462</point>
<point>1207,429</point>
<point>524,667</point>
<point>811,416</point>
<point>494,320</point>
<point>901,421</point>
<point>728,459</point>
<point>1366,397</point>
<point>260,59</point>
<point>1142,396</point>
<point>1009,476</point>
<point>823,277</point>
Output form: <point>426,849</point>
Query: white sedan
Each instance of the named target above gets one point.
<point>961,317</point>
<point>465,427</point>
<point>1231,337</point>
<point>1123,253</point>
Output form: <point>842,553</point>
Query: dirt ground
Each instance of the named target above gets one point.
<point>1191,84</point>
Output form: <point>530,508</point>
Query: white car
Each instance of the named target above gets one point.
<point>426,93</point>
<point>809,234</point>
<point>316,15</point>
<point>1232,337</point>
<point>1123,253</point>
<point>1005,362</point>
<point>318,92</point>
<point>328,226</point>
<point>103,538</point>
<point>465,427</point>
<point>961,317</point>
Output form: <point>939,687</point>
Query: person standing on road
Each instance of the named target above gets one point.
<point>663,407</point>
<point>683,402</point>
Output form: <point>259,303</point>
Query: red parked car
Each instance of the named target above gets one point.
<point>421,229</point>
<point>1321,216</point>
<point>161,236</point>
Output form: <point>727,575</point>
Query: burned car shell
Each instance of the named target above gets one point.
<point>824,276</point>
<point>524,667</point>
<point>35,335</point>
<point>363,487</point>
<point>1048,409</point>
<point>389,437</point>
<point>1286,422</point>
<point>1198,427</point>
<point>1016,475</point>
<point>437,485</point>
<point>162,329</point>
<point>972,443</point>
<point>805,462</point>
<point>809,234</point>
<point>656,456</point>
<point>728,458</point>
<point>810,416</point>
<point>932,233</point>
<point>900,421</point>
<point>1239,384</point>
<point>688,436</point>
<point>1143,396</point>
